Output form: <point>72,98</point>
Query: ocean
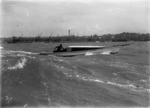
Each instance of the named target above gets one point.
<point>95,80</point>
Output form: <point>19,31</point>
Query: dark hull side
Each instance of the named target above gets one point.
<point>77,53</point>
<point>75,49</point>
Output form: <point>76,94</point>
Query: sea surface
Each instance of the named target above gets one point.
<point>96,80</point>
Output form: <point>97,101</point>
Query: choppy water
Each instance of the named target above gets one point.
<point>30,79</point>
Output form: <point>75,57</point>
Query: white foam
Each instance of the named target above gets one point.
<point>97,80</point>
<point>8,99</point>
<point>114,74</point>
<point>143,80</point>
<point>26,105</point>
<point>60,60</point>
<point>62,67</point>
<point>89,79</point>
<point>45,84</point>
<point>21,63</point>
<point>0,51</point>
<point>121,85</point>
<point>88,53</point>
<point>127,86</point>
<point>106,52</point>
<point>1,47</point>
<point>24,52</point>
<point>20,54</point>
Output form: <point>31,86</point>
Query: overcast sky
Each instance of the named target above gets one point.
<point>82,17</point>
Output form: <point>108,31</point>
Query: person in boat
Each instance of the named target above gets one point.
<point>59,48</point>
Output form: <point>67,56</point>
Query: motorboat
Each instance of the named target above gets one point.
<point>80,50</point>
<point>77,50</point>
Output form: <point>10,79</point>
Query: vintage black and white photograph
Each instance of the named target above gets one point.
<point>75,53</point>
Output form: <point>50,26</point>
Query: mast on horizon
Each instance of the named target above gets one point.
<point>68,32</point>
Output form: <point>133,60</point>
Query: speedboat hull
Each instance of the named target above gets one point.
<point>82,50</point>
<point>87,52</point>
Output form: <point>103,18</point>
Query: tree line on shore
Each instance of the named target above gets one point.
<point>123,37</point>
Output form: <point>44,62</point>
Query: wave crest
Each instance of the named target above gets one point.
<point>21,63</point>
<point>23,52</point>
<point>1,47</point>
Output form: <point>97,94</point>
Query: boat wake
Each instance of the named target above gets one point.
<point>20,52</point>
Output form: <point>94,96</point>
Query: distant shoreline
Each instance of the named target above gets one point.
<point>122,37</point>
